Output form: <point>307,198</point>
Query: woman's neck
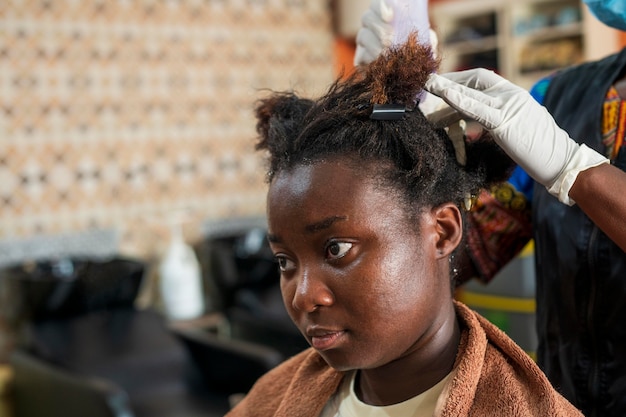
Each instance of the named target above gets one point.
<point>413,374</point>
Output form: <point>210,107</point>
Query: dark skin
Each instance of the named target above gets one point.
<point>595,192</point>
<point>366,281</point>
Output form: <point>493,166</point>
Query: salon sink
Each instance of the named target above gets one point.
<point>67,287</point>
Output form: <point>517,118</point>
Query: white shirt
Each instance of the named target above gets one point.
<point>345,403</point>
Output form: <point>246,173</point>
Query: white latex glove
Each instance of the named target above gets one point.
<point>521,126</point>
<point>376,32</point>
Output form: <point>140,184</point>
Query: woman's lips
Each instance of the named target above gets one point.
<point>326,340</point>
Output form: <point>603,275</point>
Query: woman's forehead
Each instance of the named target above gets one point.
<point>328,189</point>
<point>326,177</point>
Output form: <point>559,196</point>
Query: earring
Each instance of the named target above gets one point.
<point>468,201</point>
<point>455,270</point>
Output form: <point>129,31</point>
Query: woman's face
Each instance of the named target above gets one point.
<point>364,284</point>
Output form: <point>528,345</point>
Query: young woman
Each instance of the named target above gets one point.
<point>365,213</point>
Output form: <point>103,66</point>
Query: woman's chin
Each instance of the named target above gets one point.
<point>340,362</point>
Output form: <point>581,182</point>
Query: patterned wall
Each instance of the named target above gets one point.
<point>116,113</point>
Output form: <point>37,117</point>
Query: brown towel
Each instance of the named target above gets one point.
<point>492,377</point>
<point>495,377</point>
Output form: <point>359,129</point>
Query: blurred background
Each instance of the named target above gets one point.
<point>126,139</point>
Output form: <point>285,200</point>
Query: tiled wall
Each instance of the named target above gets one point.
<point>116,113</point>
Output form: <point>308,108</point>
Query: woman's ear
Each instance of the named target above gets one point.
<point>449,227</point>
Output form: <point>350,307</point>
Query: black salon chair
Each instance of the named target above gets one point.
<point>227,365</point>
<point>79,328</point>
<point>246,279</point>
<point>41,389</point>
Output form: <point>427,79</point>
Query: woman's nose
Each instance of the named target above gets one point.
<point>311,293</point>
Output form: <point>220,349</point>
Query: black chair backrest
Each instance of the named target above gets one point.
<point>227,365</point>
<point>41,389</point>
<point>67,288</point>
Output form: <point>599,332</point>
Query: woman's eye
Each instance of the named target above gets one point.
<point>336,250</point>
<point>284,264</point>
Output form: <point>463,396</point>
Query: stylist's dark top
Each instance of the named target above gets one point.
<point>581,273</point>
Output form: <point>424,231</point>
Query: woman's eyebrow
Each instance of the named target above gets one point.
<point>273,238</point>
<point>324,223</point>
<point>311,228</point>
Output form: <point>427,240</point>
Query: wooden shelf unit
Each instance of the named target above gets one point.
<point>523,40</point>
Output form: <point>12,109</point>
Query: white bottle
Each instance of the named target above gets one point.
<point>180,279</point>
<point>409,16</point>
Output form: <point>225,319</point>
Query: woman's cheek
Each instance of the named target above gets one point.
<point>287,289</point>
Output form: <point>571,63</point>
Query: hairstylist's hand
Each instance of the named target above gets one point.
<point>521,126</point>
<point>376,32</point>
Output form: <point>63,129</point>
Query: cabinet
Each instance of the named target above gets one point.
<point>523,40</point>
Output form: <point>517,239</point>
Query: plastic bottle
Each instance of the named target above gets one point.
<point>408,16</point>
<point>180,279</point>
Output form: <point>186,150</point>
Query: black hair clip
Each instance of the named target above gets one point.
<point>388,112</point>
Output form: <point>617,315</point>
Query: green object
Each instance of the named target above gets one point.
<point>499,318</point>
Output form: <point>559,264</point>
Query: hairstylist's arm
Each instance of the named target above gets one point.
<point>530,136</point>
<point>601,193</point>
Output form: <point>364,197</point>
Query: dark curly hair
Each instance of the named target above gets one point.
<point>410,155</point>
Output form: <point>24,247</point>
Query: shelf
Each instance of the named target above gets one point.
<point>472,46</point>
<point>550,55</point>
<point>523,40</point>
<point>527,80</point>
<point>551,33</point>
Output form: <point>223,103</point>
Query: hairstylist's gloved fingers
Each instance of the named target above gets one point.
<point>379,27</point>
<point>382,9</point>
<point>430,103</point>
<point>473,104</point>
<point>374,35</point>
<point>368,47</point>
<point>481,85</point>
<point>476,78</point>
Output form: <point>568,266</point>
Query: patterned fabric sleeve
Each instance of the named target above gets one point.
<point>499,228</point>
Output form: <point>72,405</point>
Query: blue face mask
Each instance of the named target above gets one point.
<point>610,12</point>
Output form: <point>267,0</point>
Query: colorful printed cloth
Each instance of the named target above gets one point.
<point>499,227</point>
<point>613,123</point>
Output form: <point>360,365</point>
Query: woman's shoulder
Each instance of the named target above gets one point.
<point>304,370</point>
